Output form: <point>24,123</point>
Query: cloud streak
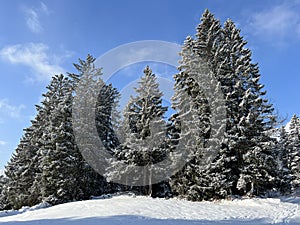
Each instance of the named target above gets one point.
<point>279,23</point>
<point>32,17</point>
<point>10,110</point>
<point>136,52</point>
<point>32,21</point>
<point>36,57</point>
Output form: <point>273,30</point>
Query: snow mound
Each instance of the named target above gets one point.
<point>24,209</point>
<point>126,210</point>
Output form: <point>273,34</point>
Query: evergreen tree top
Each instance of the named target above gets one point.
<point>148,85</point>
<point>147,105</point>
<point>84,64</point>
<point>295,126</point>
<point>85,67</point>
<point>207,15</point>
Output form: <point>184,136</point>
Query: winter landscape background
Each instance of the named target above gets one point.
<point>35,44</point>
<point>223,147</point>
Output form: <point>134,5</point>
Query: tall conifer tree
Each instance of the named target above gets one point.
<point>244,163</point>
<point>143,115</point>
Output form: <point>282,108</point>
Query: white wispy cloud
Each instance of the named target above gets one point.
<point>44,8</point>
<point>136,52</point>
<point>2,142</point>
<point>10,110</point>
<point>278,23</point>
<point>35,56</point>
<point>33,17</point>
<point>32,20</point>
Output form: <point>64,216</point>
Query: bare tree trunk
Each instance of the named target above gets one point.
<point>150,182</point>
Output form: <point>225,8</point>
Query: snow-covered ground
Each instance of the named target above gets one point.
<point>126,210</point>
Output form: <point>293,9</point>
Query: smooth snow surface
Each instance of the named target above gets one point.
<point>126,210</point>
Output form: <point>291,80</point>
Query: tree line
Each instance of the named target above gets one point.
<point>255,158</point>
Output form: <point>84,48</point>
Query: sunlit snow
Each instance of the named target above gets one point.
<point>126,210</point>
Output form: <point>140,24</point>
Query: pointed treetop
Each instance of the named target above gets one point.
<point>148,85</point>
<point>229,24</point>
<point>147,71</point>
<point>295,124</point>
<point>207,35</point>
<point>83,64</point>
<point>85,67</point>
<point>207,14</point>
<point>188,41</point>
<point>295,117</point>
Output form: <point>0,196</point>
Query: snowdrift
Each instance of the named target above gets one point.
<point>127,210</point>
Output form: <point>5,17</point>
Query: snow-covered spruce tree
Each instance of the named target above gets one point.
<point>284,184</point>
<point>250,116</point>
<point>59,157</point>
<point>47,164</point>
<point>44,166</point>
<point>195,182</point>
<point>289,157</point>
<point>143,115</point>
<point>3,199</point>
<point>246,147</point>
<point>293,154</point>
<point>22,169</point>
<point>107,99</point>
<point>190,101</point>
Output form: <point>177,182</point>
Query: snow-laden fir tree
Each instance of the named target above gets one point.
<point>193,112</point>
<point>288,154</point>
<point>244,163</point>
<point>143,114</point>
<point>59,157</point>
<point>196,182</point>
<point>3,199</point>
<point>293,154</point>
<point>104,110</point>
<point>45,161</point>
<point>22,169</point>
<point>250,115</point>
<point>282,155</point>
<point>47,164</point>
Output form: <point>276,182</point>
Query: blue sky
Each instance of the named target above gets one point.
<point>42,38</point>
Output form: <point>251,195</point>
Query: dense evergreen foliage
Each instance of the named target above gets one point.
<point>47,165</point>
<point>245,164</point>
<point>142,132</point>
<point>288,149</point>
<point>253,157</point>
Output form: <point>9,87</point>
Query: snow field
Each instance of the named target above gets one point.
<point>126,210</point>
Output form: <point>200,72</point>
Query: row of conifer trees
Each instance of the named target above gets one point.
<point>254,157</point>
